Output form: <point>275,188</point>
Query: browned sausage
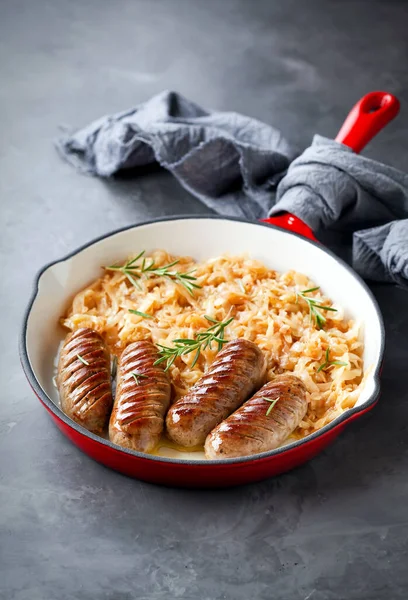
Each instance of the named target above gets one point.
<point>85,385</point>
<point>250,430</point>
<point>237,372</point>
<point>142,398</point>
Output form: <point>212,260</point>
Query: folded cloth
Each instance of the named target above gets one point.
<point>231,162</point>
<point>329,186</point>
<point>381,253</point>
<point>238,166</point>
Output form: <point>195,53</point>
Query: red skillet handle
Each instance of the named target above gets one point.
<point>373,112</point>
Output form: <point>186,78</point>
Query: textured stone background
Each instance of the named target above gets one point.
<point>69,528</point>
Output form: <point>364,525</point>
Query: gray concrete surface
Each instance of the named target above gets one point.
<point>71,529</point>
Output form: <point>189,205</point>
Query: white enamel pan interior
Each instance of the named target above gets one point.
<point>202,238</point>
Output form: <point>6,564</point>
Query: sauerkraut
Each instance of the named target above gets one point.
<point>266,310</point>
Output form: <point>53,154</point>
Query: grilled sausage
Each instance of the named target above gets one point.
<point>237,372</point>
<point>85,385</point>
<point>142,398</point>
<point>250,430</point>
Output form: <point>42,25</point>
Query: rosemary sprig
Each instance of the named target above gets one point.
<point>85,362</point>
<point>134,270</point>
<point>313,305</point>
<point>138,376</point>
<point>272,403</point>
<point>330,363</point>
<point>185,279</point>
<point>139,313</point>
<point>202,340</point>
<point>128,269</point>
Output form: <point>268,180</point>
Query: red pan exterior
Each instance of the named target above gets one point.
<point>191,475</point>
<point>292,223</point>
<point>371,114</point>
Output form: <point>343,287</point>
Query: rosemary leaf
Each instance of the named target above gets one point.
<point>133,280</point>
<point>327,307</point>
<point>139,313</point>
<point>211,319</point>
<point>196,357</point>
<point>313,305</point>
<point>330,363</point>
<point>85,362</point>
<point>138,376</point>
<point>272,401</point>
<point>131,262</point>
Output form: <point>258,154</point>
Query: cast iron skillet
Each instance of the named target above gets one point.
<point>283,242</point>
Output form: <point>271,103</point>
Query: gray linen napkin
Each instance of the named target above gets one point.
<point>381,253</point>
<point>229,161</point>
<point>331,186</point>
<point>239,166</point>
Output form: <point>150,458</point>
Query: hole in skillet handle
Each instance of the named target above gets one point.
<point>371,114</point>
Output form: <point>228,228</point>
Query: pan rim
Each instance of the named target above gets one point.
<point>339,421</point>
